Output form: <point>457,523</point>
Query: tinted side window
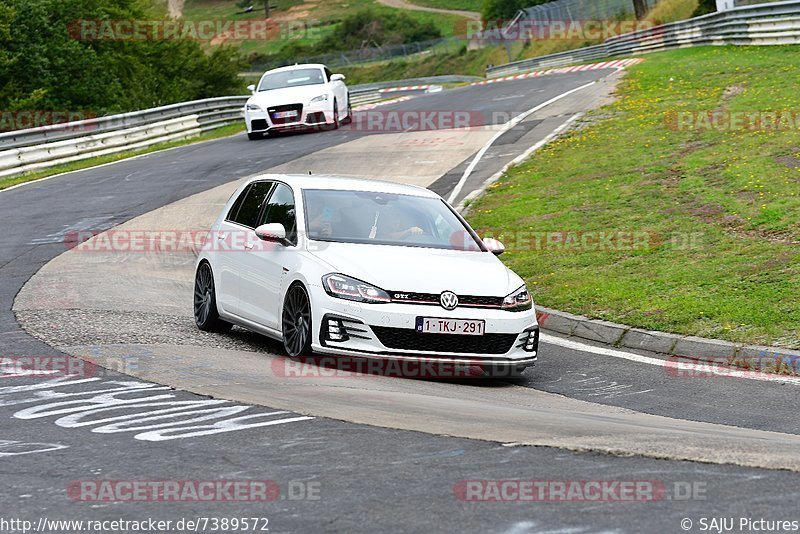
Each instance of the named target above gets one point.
<point>247,214</point>
<point>280,209</point>
<point>238,204</point>
<point>328,73</point>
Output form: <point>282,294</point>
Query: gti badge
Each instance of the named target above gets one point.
<point>448,300</point>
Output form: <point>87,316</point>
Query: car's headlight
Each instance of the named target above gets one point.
<point>320,98</point>
<point>519,300</point>
<point>345,287</point>
<point>253,107</point>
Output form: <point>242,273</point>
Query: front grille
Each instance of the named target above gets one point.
<point>258,124</point>
<point>432,298</point>
<point>406,339</point>
<point>291,107</point>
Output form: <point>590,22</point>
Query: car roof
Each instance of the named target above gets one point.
<point>298,66</point>
<point>344,183</point>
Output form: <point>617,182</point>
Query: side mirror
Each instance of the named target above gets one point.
<point>274,232</point>
<point>494,246</point>
<point>251,88</point>
<point>337,78</point>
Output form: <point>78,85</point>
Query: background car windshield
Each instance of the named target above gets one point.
<point>291,78</point>
<point>384,219</point>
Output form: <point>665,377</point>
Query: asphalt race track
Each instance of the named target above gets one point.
<point>347,455</point>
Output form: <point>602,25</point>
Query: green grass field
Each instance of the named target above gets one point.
<point>721,206</point>
<point>464,5</point>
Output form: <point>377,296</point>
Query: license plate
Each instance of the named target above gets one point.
<point>284,114</point>
<point>457,327</point>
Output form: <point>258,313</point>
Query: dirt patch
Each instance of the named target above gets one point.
<point>175,8</point>
<point>792,162</point>
<point>732,91</point>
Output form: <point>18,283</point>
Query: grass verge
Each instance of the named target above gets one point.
<point>224,131</point>
<point>713,212</point>
<point>470,63</point>
<point>463,5</point>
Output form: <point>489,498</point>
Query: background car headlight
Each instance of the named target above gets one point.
<point>320,98</point>
<point>519,300</point>
<point>345,287</point>
<point>253,107</point>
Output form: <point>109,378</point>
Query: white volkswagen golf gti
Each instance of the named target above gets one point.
<point>362,268</point>
<point>297,97</point>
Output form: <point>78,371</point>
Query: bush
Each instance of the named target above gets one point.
<point>363,29</point>
<point>43,67</point>
<point>494,10</point>
<point>705,7</point>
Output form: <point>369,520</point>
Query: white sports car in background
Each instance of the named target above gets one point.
<point>297,97</point>
<point>362,268</point>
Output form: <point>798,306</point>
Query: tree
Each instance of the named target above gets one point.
<point>494,11</point>
<point>640,8</point>
<point>705,7</point>
<point>46,64</point>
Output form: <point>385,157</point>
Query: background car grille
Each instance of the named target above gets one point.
<point>463,300</point>
<point>259,124</point>
<point>291,107</point>
<point>406,339</point>
<point>316,117</point>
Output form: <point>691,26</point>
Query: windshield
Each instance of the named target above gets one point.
<point>385,219</point>
<point>291,78</point>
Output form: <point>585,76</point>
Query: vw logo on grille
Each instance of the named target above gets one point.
<point>448,300</point>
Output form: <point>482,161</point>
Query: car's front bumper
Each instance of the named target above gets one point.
<point>310,116</point>
<point>388,331</point>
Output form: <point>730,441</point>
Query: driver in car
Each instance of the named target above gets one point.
<point>398,225</point>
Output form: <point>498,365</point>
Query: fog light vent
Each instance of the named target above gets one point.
<point>335,331</point>
<point>532,341</point>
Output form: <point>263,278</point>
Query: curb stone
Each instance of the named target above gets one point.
<point>689,347</point>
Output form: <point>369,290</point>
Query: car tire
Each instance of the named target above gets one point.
<point>253,136</point>
<point>335,124</point>
<point>206,316</point>
<point>296,323</point>
<point>349,118</point>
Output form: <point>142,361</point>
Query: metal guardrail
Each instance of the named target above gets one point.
<point>211,111</point>
<point>416,81</point>
<point>773,23</point>
<point>47,146</point>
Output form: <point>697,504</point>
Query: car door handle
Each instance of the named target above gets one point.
<point>248,246</point>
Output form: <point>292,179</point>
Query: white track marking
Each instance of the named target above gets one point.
<point>133,407</point>
<point>614,353</point>
<point>519,159</point>
<point>507,126</point>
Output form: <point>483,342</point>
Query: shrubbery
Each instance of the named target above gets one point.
<point>494,10</point>
<point>363,29</point>
<point>43,67</point>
